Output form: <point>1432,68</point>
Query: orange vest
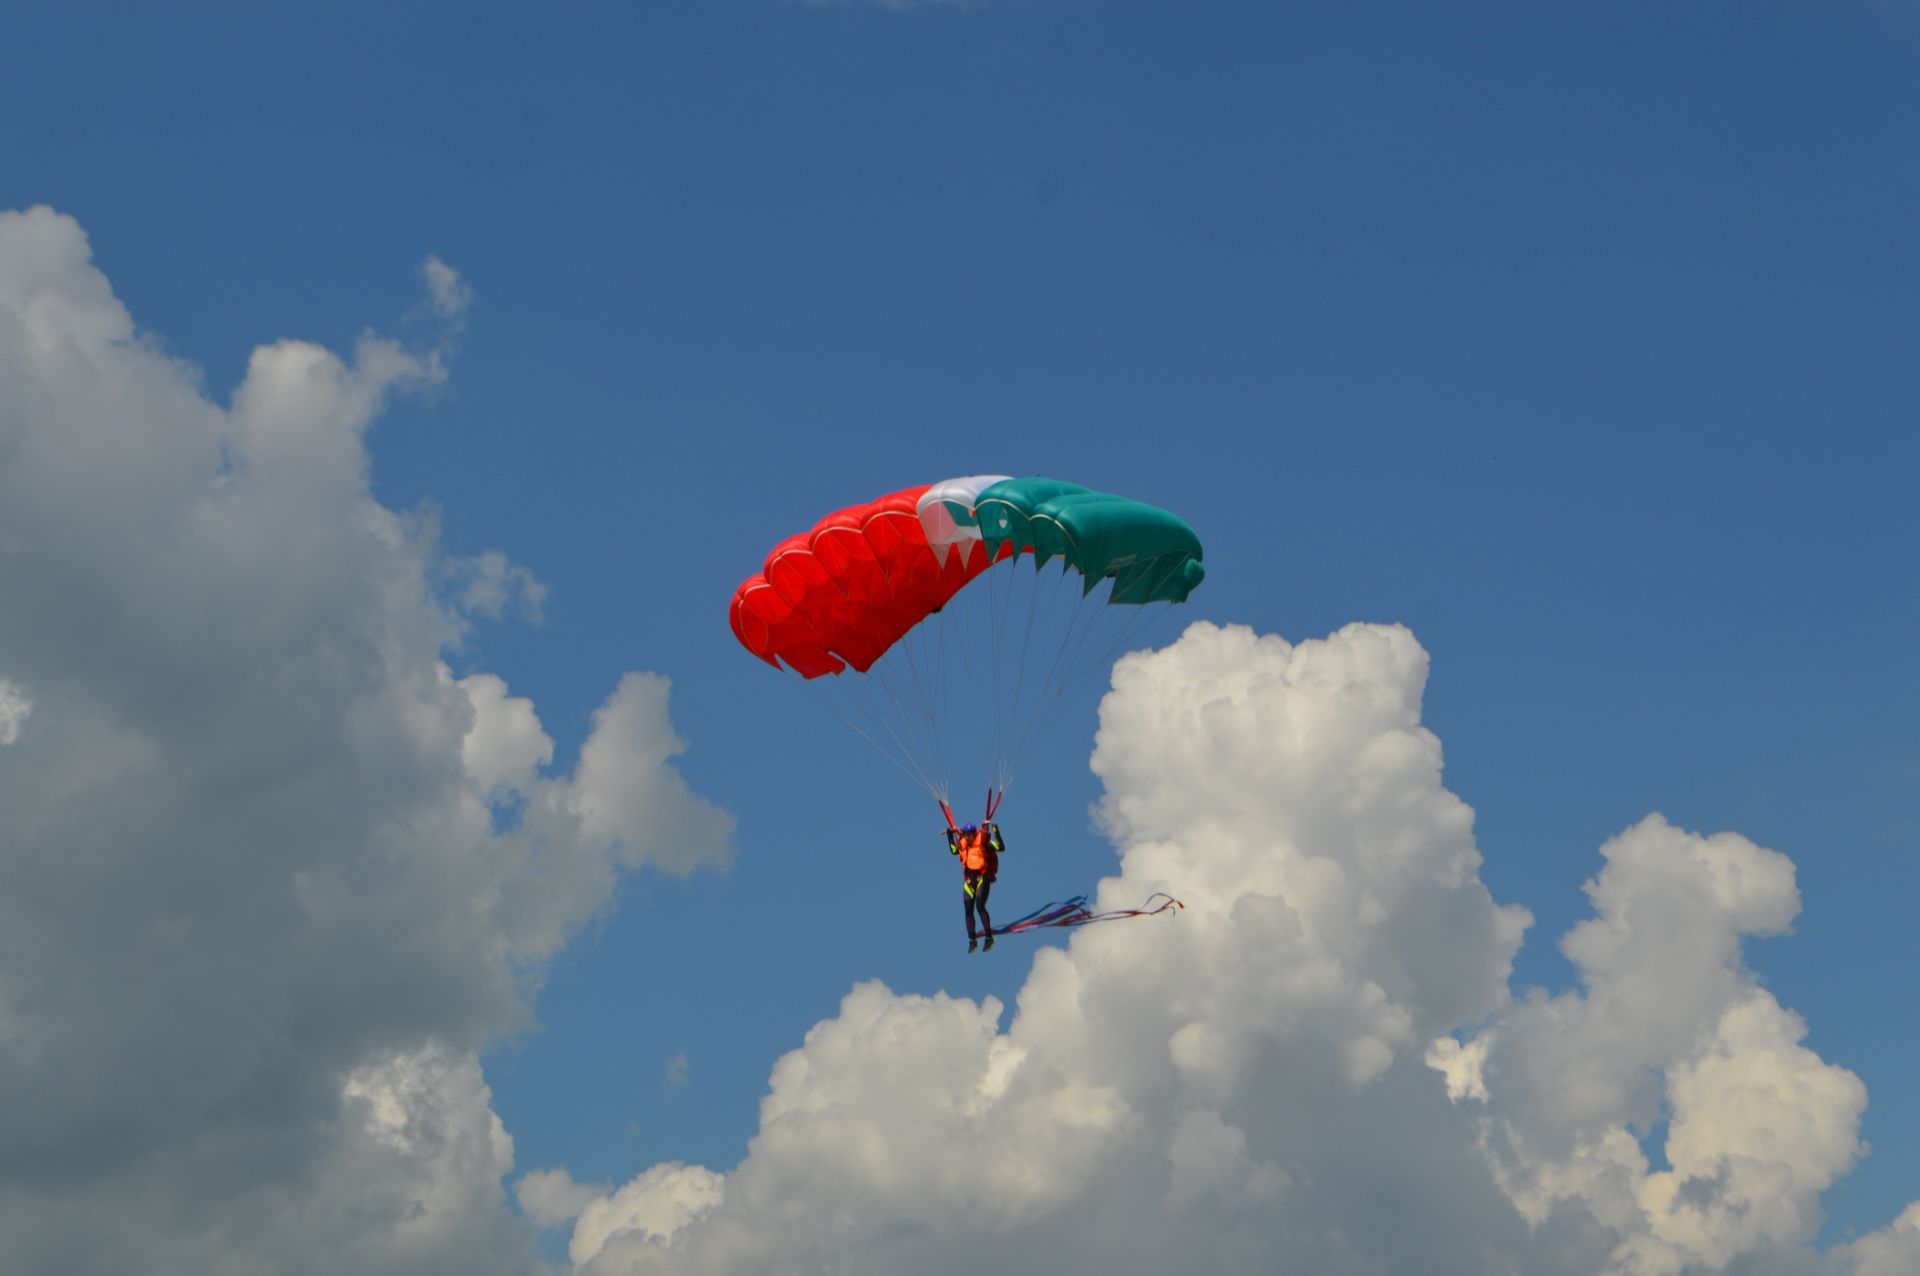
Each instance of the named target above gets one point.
<point>975,855</point>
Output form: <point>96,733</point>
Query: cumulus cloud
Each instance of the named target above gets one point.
<point>625,793</point>
<point>1669,1025</point>
<point>549,1197</point>
<point>274,874</point>
<point>652,1208</point>
<point>1319,1066</point>
<point>15,705</point>
<point>505,747</point>
<point>1892,1251</point>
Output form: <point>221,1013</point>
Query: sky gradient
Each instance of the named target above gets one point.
<point>394,395</point>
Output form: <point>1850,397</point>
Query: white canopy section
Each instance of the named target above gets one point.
<point>946,511</point>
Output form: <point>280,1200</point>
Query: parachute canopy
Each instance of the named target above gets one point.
<point>846,591</point>
<point>883,596</point>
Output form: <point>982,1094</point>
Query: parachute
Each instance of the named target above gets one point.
<point>913,618</point>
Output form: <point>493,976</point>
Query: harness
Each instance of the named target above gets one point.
<point>978,859</point>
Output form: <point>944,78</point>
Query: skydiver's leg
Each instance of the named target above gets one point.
<point>980,893</point>
<point>967,889</point>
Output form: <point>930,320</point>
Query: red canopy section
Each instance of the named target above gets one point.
<point>847,590</point>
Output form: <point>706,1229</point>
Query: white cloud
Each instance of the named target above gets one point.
<point>650,1211</point>
<point>505,746</point>
<point>1210,1160</point>
<point>1669,1024</point>
<point>1463,1066</point>
<point>551,1197</point>
<point>627,793</point>
<point>1317,1067</point>
<point>1759,1127</point>
<point>15,707</point>
<point>448,295</point>
<point>262,906</point>
<point>489,585</point>
<point>423,1155</point>
<point>1892,1251</point>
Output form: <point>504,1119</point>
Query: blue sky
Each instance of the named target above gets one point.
<point>1580,341</point>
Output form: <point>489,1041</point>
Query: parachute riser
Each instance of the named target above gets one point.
<point>993,802</point>
<point>994,798</point>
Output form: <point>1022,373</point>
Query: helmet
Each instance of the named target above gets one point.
<point>969,828</point>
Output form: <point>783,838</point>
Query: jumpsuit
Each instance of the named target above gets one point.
<point>979,854</point>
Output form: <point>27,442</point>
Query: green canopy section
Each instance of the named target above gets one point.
<point>1150,555</point>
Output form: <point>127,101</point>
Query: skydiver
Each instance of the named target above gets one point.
<point>979,850</point>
